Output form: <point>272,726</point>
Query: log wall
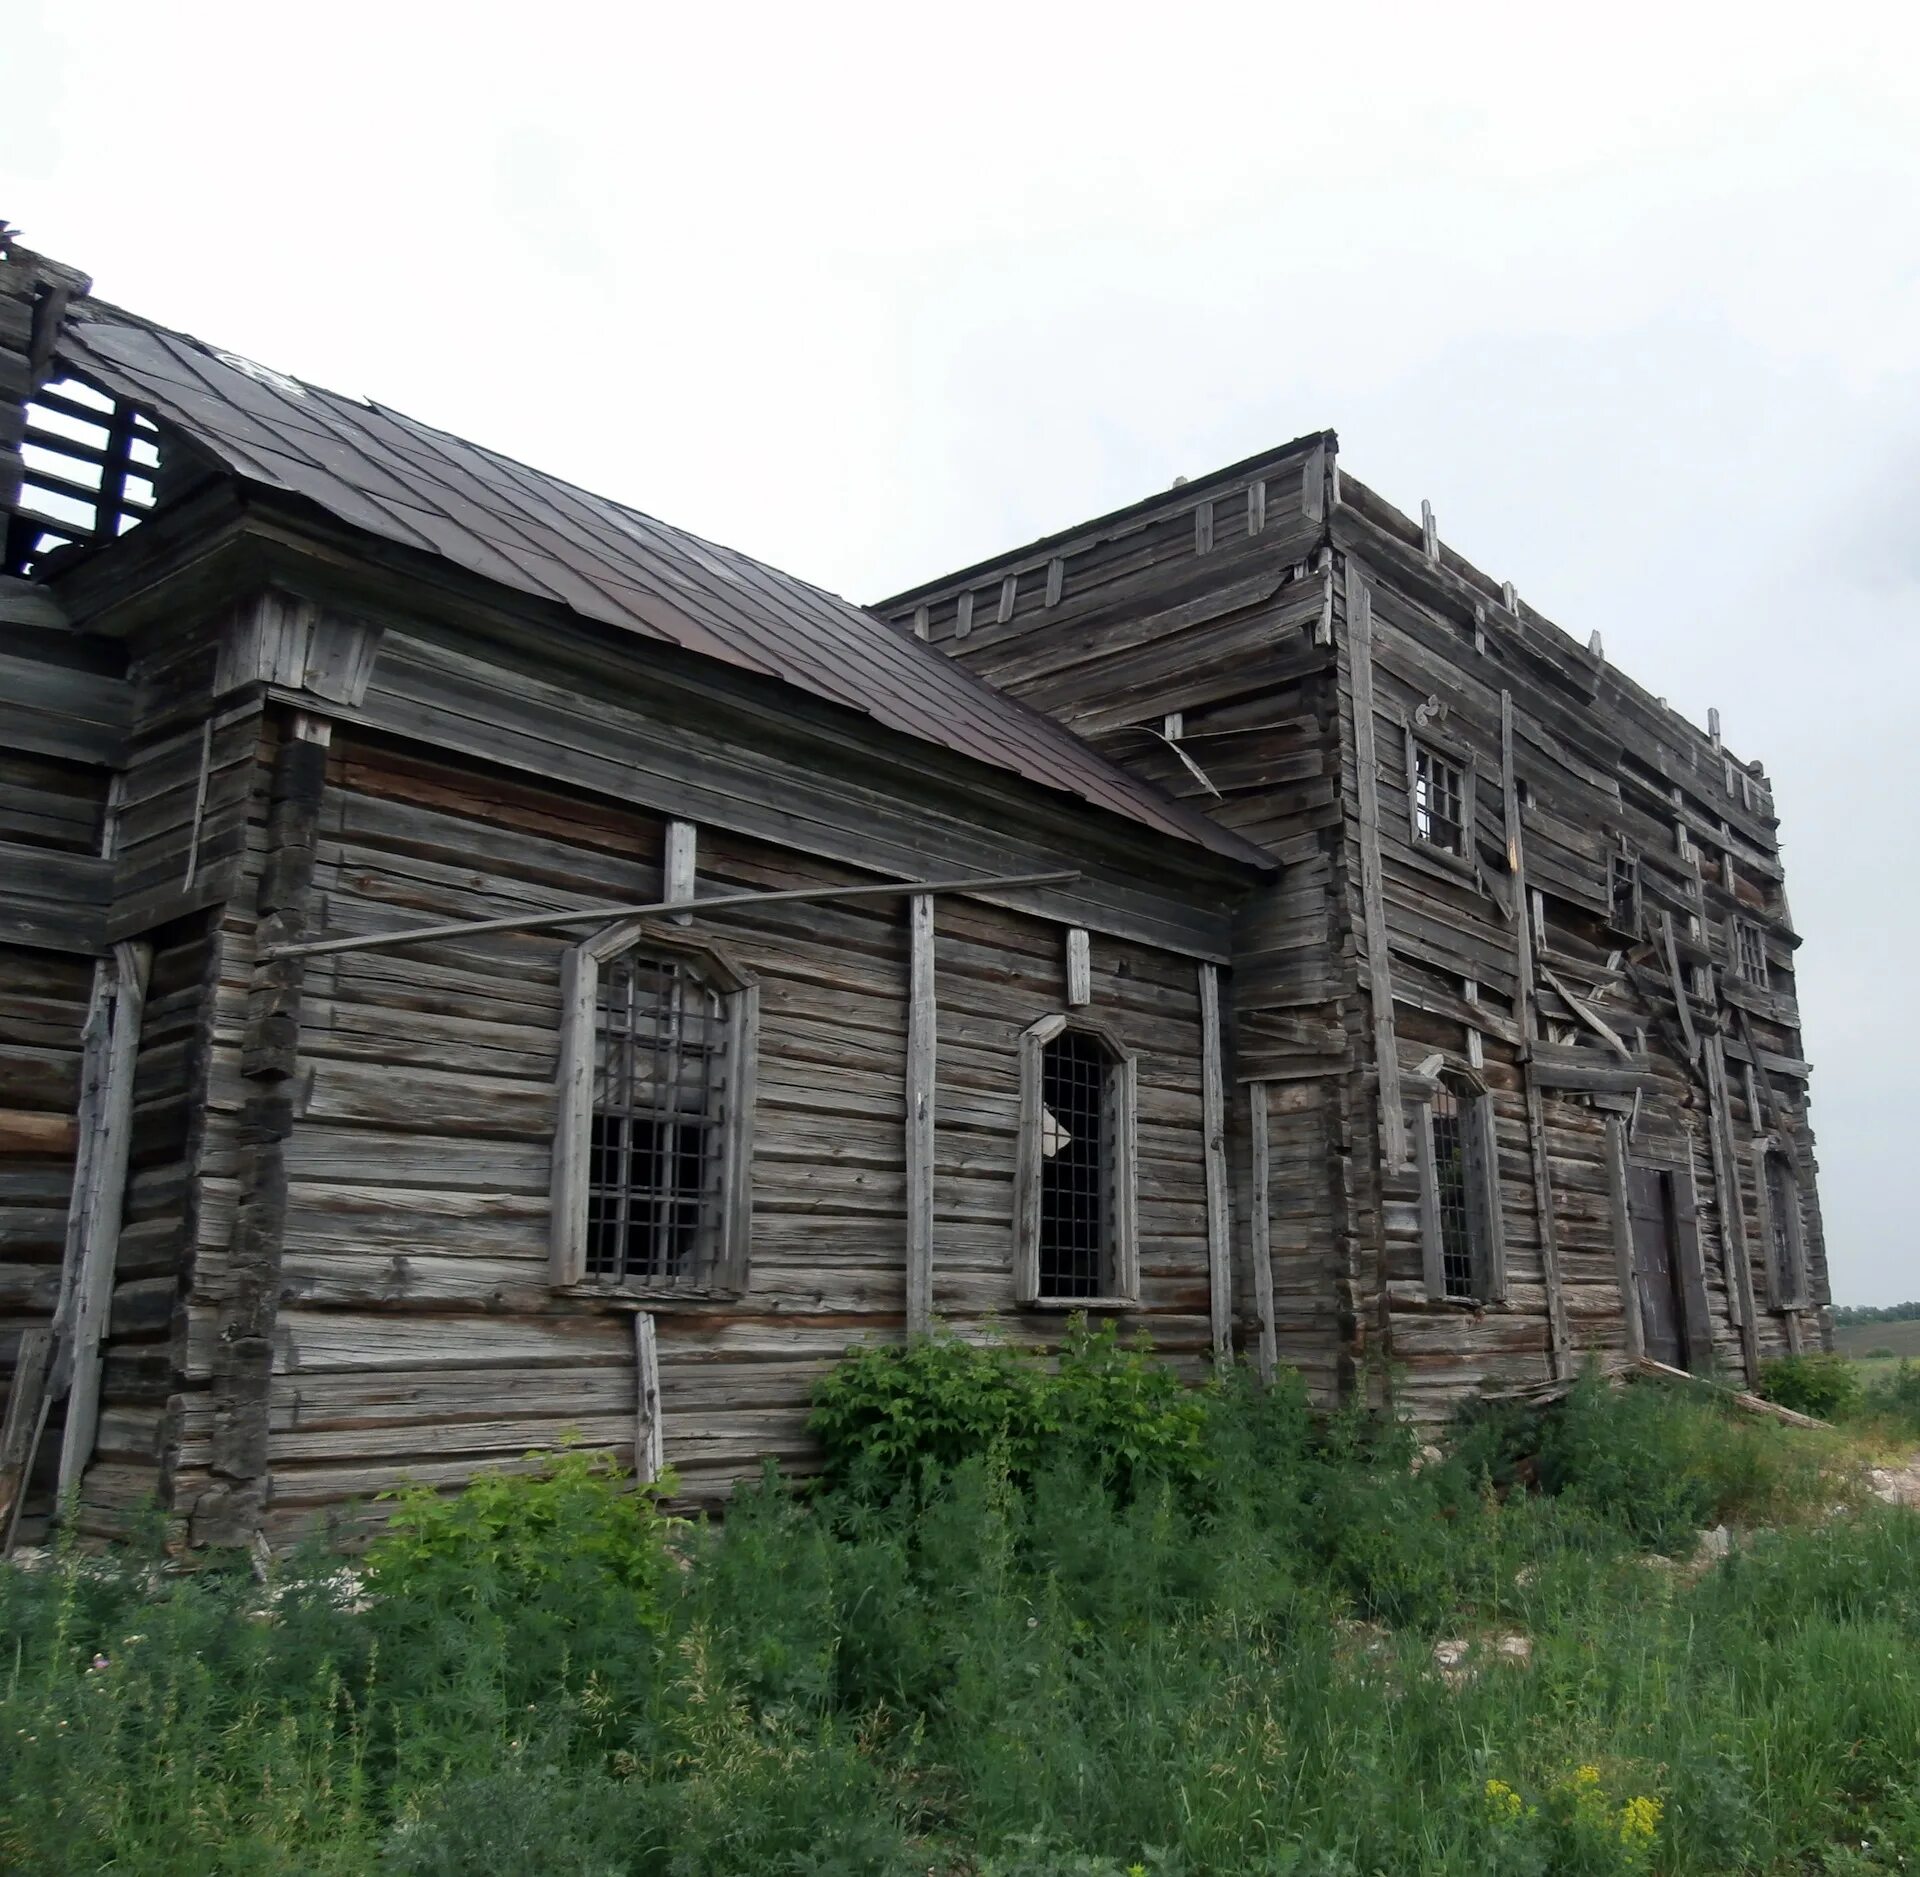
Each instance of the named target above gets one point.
<point>1225,617</point>
<point>1190,640</point>
<point>416,1334</point>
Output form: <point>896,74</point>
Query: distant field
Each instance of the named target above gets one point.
<point>1855,1339</point>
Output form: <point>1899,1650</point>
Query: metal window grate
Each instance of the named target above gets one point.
<point>1439,802</point>
<point>654,1172</point>
<point>1073,1166</point>
<point>1750,953</point>
<point>1450,1180</point>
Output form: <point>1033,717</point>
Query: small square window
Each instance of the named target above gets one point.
<point>1439,801</point>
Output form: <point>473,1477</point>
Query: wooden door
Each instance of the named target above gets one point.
<point>1655,1268</point>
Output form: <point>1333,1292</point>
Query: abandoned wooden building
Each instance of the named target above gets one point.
<point>480,967</point>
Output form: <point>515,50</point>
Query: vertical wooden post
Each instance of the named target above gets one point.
<point>683,842</point>
<point>1366,758</point>
<point>1262,1235</point>
<point>1079,968</point>
<point>649,1444</point>
<point>1622,1210</point>
<point>922,1019</point>
<point>1528,1017</point>
<point>1732,1206</point>
<point>1213,1125</point>
<point>91,1302</point>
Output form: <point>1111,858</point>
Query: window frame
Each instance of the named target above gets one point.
<point>1757,973</point>
<point>1485,1217</point>
<point>727,1271</point>
<point>1787,1289</point>
<point>1624,860</point>
<point>1458,758</point>
<point>1121,1255</point>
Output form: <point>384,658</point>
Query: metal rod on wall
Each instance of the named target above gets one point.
<point>530,922</point>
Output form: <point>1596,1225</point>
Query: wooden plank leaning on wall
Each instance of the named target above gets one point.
<point>1527,1016</point>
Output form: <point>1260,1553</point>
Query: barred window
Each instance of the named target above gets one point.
<point>653,1176</point>
<point>1749,953</point>
<point>1076,1152</point>
<point>1450,1195</point>
<point>1462,1234</point>
<point>654,1132</point>
<point>1074,1212</point>
<point>1439,801</point>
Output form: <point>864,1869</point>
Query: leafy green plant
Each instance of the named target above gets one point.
<point>1825,1386</point>
<point>575,1516</point>
<point>893,1417</point>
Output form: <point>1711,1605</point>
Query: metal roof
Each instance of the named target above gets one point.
<point>389,476</point>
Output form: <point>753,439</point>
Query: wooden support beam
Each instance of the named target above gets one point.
<point>1366,757</point>
<point>1213,1127</point>
<point>922,1024</point>
<point>1261,1236</point>
<point>649,1443</point>
<point>91,1303</point>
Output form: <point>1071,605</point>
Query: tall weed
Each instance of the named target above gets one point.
<point>1008,1649</point>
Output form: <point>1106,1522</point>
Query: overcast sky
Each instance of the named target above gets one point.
<point>1632,295</point>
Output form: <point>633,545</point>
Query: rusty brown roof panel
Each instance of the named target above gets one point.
<point>402,481</point>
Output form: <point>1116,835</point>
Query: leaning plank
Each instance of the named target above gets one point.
<point>20,1433</point>
<point>1749,1403</point>
<point>1733,1208</point>
<point>1528,1018</point>
<point>92,1295</point>
<point>922,1021</point>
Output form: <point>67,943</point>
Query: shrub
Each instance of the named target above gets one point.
<point>1824,1386</point>
<point>893,1417</point>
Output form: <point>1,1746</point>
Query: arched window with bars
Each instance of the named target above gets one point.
<point>653,1139</point>
<point>1075,1227</point>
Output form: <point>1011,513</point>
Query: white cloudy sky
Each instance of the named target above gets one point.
<point>1632,294</point>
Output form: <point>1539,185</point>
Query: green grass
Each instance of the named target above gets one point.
<point>1222,1664</point>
